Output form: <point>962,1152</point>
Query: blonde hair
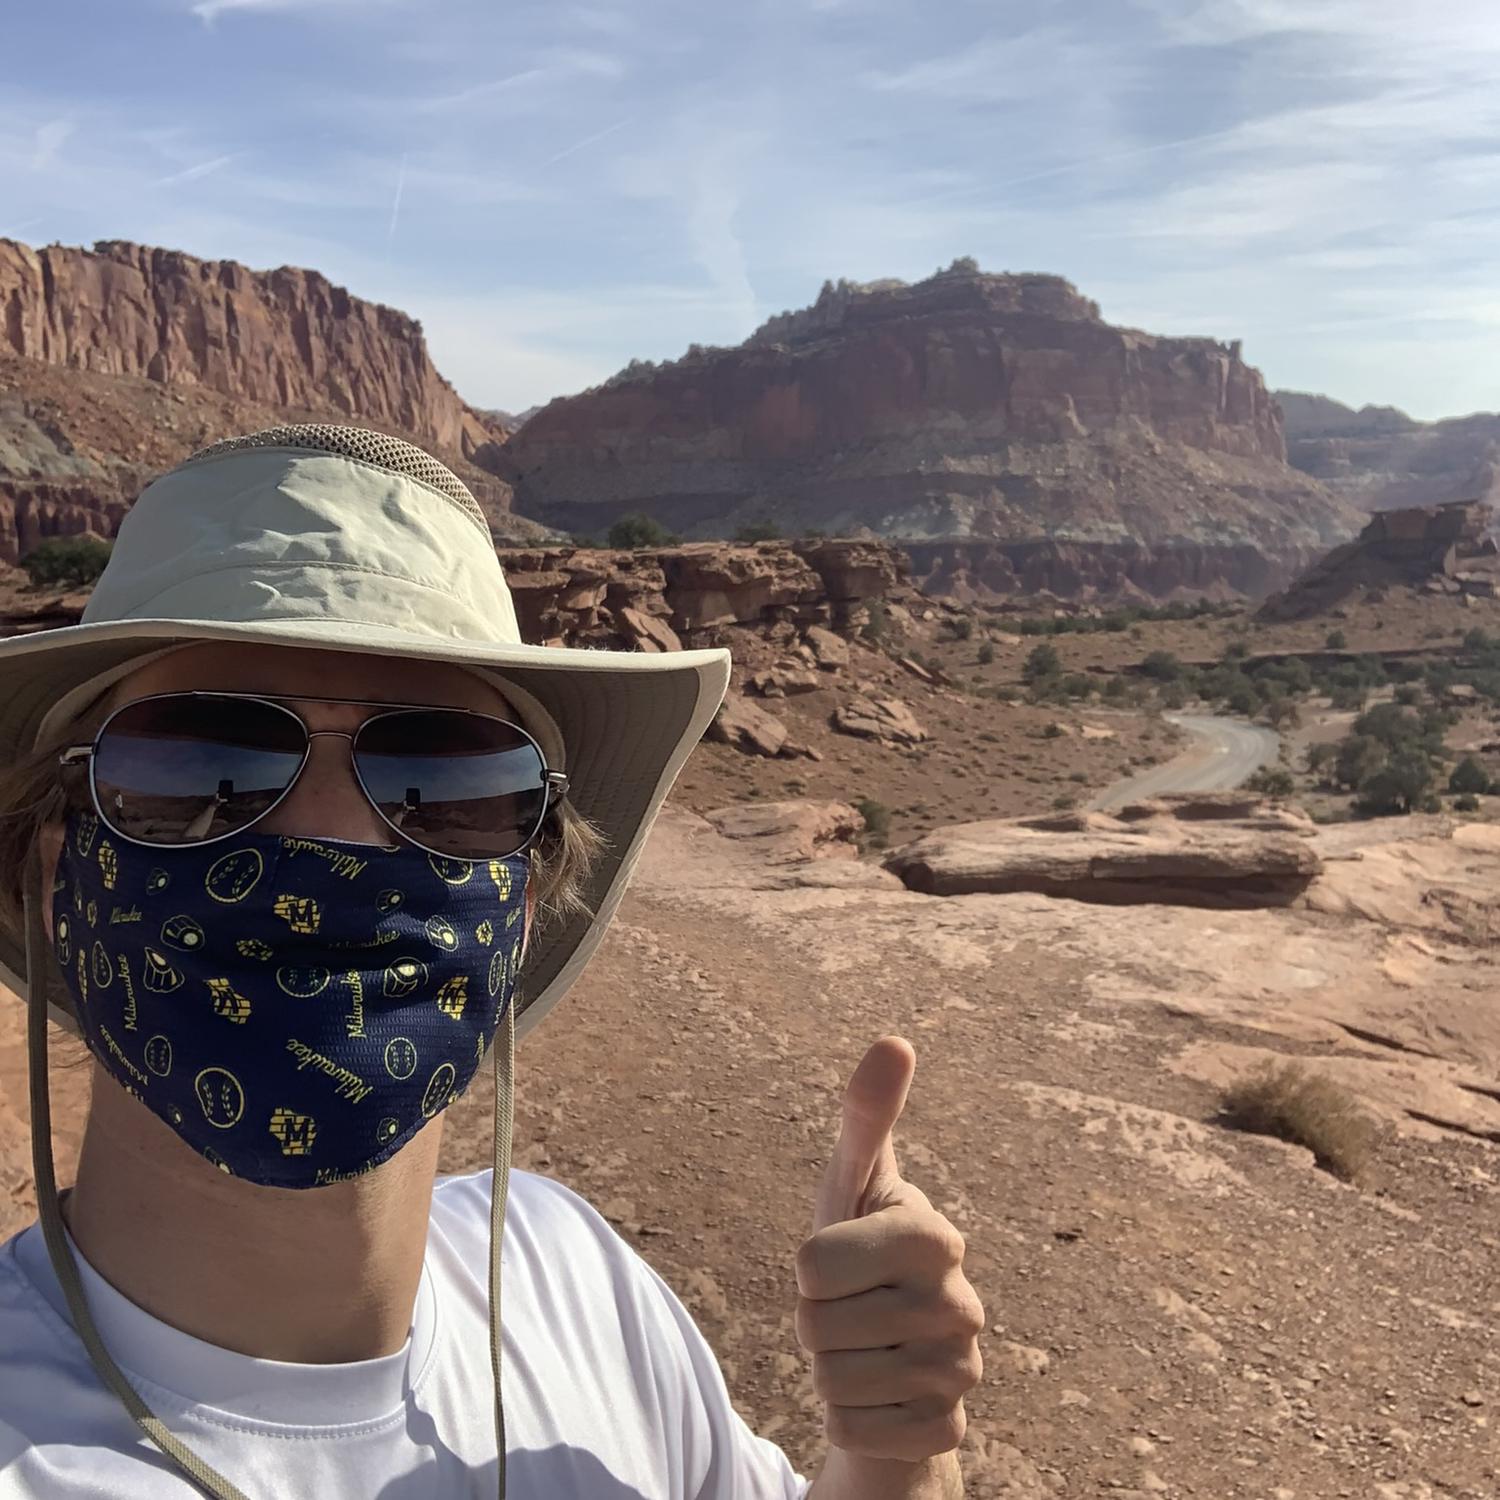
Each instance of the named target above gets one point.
<point>36,791</point>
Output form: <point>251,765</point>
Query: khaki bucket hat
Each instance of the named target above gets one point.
<point>344,539</point>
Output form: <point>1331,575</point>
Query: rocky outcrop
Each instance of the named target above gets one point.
<point>1379,458</point>
<point>784,832</point>
<point>971,406</point>
<point>595,596</point>
<point>286,338</point>
<point>1440,549</point>
<point>887,720</point>
<point>1153,856</point>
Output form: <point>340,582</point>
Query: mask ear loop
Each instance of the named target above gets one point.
<point>64,1267</point>
<point>505,1056</point>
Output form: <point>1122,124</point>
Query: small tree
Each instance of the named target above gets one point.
<point>1163,666</point>
<point>638,530</point>
<point>1041,663</point>
<point>66,562</point>
<point>1359,757</point>
<point>1336,640</point>
<point>759,531</point>
<point>1399,786</point>
<point>1271,781</point>
<point>1469,776</point>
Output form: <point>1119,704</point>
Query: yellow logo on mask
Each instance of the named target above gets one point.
<point>295,1132</point>
<point>453,995</point>
<point>109,864</point>
<point>157,974</point>
<point>300,912</point>
<point>228,1002</point>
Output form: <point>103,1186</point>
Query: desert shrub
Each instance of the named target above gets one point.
<point>66,561</point>
<point>1408,695</point>
<point>1478,639</point>
<point>1041,662</point>
<point>1406,671</point>
<point>1466,802</point>
<point>1286,1101</point>
<point>1282,713</point>
<point>1401,785</point>
<point>1271,781</point>
<point>1163,666</point>
<point>1469,776</point>
<point>986,653</point>
<point>759,531</point>
<point>1052,731</point>
<point>878,623</point>
<point>1243,699</point>
<point>961,627</point>
<point>1321,755</point>
<point>1115,690</point>
<point>1336,640</point>
<point>1431,803</point>
<point>1172,696</point>
<point>1077,685</point>
<point>639,530</point>
<point>877,818</point>
<point>1357,757</point>
<point>1236,651</point>
<point>1344,696</point>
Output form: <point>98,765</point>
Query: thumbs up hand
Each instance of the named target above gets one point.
<point>884,1307</point>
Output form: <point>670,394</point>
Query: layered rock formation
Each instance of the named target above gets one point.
<point>982,570</point>
<point>966,406</point>
<point>1379,458</point>
<point>286,338</point>
<point>117,364</point>
<point>1440,549</point>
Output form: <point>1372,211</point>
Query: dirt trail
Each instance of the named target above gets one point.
<point>1226,754</point>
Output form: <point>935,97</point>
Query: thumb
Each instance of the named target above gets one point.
<point>864,1157</point>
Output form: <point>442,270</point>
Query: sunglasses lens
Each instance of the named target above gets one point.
<point>462,784</point>
<point>180,768</point>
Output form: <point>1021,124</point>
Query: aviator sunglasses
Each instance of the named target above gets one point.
<point>181,769</point>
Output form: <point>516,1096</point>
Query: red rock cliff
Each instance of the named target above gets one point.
<point>968,405</point>
<point>285,338</point>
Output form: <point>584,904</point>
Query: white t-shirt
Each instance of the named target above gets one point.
<point>611,1392</point>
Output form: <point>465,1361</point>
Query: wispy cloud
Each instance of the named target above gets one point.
<point>49,141</point>
<point>589,140</point>
<point>390,234</point>
<point>197,170</point>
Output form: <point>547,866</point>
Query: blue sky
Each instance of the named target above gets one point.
<point>553,188</point>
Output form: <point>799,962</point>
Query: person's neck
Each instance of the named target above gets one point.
<point>325,1275</point>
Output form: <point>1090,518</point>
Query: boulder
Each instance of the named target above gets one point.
<point>783,681</point>
<point>651,634</point>
<point>888,720</point>
<point>1090,856</point>
<point>783,832</point>
<point>748,727</point>
<point>831,651</point>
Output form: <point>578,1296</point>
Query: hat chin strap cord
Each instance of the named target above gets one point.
<point>208,1480</point>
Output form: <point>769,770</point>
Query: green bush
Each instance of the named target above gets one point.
<point>1271,781</point>
<point>638,530</point>
<point>1409,695</point>
<point>1467,802</point>
<point>1077,685</point>
<point>759,531</point>
<point>1401,785</point>
<point>1236,651</point>
<point>1469,776</point>
<point>961,627</point>
<point>1356,759</point>
<point>877,818</point>
<point>986,653</point>
<point>66,561</point>
<point>1163,666</point>
<point>1042,662</point>
<point>1336,640</point>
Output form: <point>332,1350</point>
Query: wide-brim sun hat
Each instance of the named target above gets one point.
<point>348,540</point>
<point>343,539</point>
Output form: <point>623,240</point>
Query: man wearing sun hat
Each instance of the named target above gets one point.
<point>292,827</point>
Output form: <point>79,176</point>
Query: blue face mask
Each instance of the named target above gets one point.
<point>295,1009</point>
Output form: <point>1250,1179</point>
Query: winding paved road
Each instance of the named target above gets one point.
<point>1227,752</point>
